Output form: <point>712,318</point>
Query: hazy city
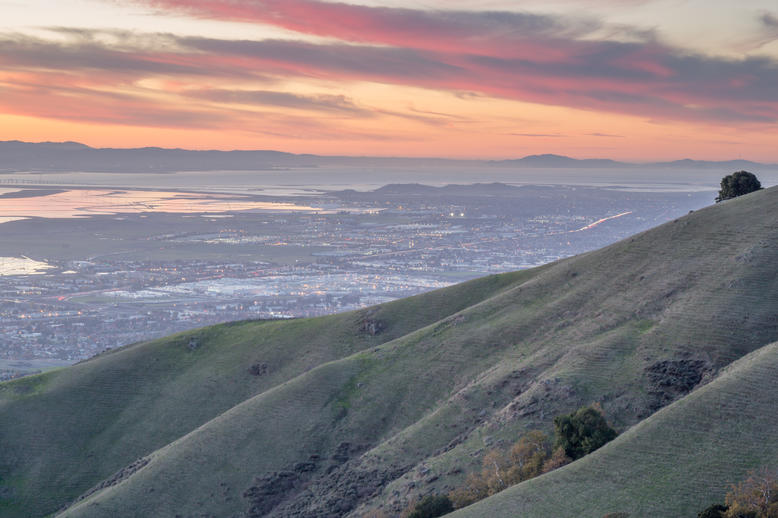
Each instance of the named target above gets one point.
<point>155,265</point>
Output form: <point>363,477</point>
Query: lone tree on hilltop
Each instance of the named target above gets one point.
<point>737,184</point>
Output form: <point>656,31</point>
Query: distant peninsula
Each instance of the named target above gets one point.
<point>17,156</point>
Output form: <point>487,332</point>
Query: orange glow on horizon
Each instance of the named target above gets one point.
<point>348,78</point>
<point>494,129</point>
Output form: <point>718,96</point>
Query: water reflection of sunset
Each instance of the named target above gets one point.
<point>22,266</point>
<point>94,202</point>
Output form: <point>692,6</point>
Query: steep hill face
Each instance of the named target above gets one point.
<point>675,463</point>
<point>65,431</point>
<point>362,411</point>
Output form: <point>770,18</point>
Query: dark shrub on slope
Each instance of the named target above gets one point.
<point>582,432</point>
<point>431,507</point>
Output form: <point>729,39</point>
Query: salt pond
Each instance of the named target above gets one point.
<point>74,203</point>
<point>22,266</point>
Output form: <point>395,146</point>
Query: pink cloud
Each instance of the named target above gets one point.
<point>96,106</point>
<point>491,33</point>
<point>644,78</point>
<point>686,87</point>
<point>524,56</point>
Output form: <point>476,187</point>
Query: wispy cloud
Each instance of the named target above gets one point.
<point>542,59</point>
<point>493,33</point>
<point>764,32</point>
<point>269,98</point>
<point>769,20</point>
<point>96,106</point>
<point>539,135</point>
<point>641,79</point>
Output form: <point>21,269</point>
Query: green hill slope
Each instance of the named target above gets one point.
<point>675,463</point>
<point>365,410</point>
<point>63,432</point>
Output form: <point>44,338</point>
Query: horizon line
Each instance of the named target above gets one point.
<point>397,157</point>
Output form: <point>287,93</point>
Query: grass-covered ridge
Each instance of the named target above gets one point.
<point>63,432</point>
<point>677,462</point>
<point>357,412</point>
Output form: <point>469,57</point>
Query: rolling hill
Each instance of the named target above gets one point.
<point>675,463</point>
<point>357,413</point>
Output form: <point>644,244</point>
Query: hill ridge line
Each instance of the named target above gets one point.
<point>449,375</point>
<point>732,374</point>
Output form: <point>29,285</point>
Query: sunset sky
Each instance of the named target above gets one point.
<point>635,80</point>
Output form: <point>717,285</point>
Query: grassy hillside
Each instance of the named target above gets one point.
<point>63,432</point>
<point>675,463</point>
<point>363,411</point>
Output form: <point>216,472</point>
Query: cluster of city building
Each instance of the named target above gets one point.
<point>287,266</point>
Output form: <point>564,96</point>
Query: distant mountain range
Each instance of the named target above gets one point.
<point>17,156</point>
<point>550,160</point>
